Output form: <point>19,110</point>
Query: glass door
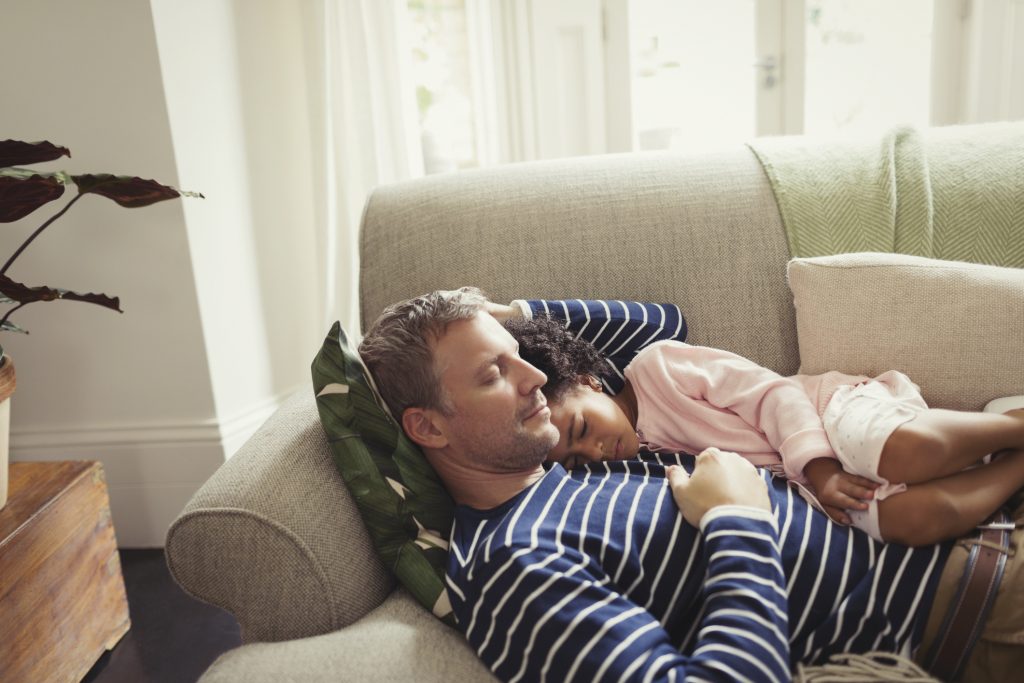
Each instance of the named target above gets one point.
<point>692,72</point>
<point>867,65</point>
<point>706,73</point>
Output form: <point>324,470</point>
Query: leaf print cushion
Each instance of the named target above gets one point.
<point>402,502</point>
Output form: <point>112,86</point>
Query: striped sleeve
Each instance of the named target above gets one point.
<point>549,616</point>
<point>744,630</point>
<point>619,329</point>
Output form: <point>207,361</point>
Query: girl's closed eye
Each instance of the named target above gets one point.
<point>592,427</point>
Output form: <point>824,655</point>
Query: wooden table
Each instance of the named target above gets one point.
<point>62,598</point>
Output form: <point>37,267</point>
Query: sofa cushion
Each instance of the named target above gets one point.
<point>954,328</point>
<point>404,505</point>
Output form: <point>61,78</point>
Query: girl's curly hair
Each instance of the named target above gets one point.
<point>546,344</point>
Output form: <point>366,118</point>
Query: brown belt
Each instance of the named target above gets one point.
<point>965,618</point>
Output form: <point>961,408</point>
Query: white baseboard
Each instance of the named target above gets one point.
<point>152,470</point>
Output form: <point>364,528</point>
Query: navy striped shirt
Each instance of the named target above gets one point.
<point>593,575</point>
<point>618,329</point>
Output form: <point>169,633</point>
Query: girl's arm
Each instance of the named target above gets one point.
<point>619,329</point>
<point>774,405</point>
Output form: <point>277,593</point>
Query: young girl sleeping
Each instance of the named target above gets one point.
<point>871,451</point>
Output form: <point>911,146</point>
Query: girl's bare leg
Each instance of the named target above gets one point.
<point>938,443</point>
<point>949,507</point>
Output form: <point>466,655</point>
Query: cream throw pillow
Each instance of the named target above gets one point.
<point>957,329</point>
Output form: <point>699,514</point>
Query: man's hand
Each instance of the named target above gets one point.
<point>838,491</point>
<point>502,312</point>
<point>719,478</point>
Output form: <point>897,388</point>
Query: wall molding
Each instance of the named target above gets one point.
<point>152,468</point>
<point>42,437</point>
<point>200,430</point>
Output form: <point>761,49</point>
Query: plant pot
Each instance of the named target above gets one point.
<point>7,382</point>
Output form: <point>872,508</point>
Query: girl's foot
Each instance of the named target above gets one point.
<point>1006,405</point>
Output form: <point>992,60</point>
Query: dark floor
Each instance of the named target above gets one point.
<point>173,638</point>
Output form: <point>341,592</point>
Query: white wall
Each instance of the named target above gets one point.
<point>220,294</point>
<point>234,81</point>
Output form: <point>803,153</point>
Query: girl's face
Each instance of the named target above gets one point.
<point>591,427</point>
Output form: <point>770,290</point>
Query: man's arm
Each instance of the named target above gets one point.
<point>619,329</point>
<point>546,618</point>
<point>745,601</point>
<point>744,631</point>
<point>547,614</point>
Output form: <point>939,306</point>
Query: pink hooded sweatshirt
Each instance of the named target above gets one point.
<point>693,397</point>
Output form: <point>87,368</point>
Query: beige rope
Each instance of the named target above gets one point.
<point>871,667</point>
<point>966,544</point>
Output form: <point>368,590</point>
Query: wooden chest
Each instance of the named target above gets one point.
<point>62,597</point>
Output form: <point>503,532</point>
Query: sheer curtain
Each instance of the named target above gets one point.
<point>365,130</point>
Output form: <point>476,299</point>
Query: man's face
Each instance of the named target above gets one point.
<point>500,421</point>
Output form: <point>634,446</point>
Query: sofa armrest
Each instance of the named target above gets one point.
<point>275,538</point>
<point>398,641</point>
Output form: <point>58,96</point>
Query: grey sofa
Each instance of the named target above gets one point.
<point>274,537</point>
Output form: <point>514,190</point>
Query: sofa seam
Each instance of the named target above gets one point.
<point>917,266</point>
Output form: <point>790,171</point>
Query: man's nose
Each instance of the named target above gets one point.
<point>531,379</point>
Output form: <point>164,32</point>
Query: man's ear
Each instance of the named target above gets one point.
<point>421,426</point>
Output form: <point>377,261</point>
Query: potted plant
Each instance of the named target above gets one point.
<point>24,190</point>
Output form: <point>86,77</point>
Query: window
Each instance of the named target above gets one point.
<point>441,68</point>
<point>692,72</point>
<point>515,80</point>
<point>867,65</point>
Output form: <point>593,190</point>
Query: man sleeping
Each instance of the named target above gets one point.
<point>608,572</point>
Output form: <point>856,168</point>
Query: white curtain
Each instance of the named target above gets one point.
<point>363,103</point>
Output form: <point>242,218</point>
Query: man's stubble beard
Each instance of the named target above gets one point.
<point>517,450</point>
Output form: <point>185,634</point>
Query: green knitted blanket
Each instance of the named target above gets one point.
<point>954,193</point>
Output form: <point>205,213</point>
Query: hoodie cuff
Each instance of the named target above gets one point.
<point>803,447</point>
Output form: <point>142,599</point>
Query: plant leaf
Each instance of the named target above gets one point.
<point>125,190</point>
<point>8,326</point>
<point>16,152</point>
<point>22,173</point>
<point>21,196</point>
<point>24,294</point>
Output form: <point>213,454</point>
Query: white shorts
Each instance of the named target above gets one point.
<point>858,420</point>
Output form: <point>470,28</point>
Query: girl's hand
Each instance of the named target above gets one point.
<point>839,491</point>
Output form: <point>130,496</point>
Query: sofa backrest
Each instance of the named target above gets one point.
<point>701,231</point>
